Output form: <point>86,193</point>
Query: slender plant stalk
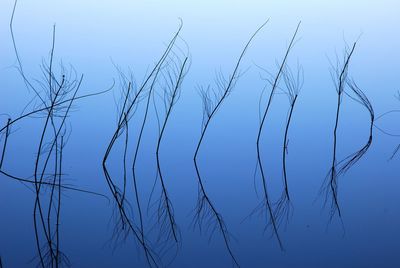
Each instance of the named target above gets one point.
<point>266,202</point>
<point>124,158</point>
<point>283,209</point>
<point>333,172</point>
<point>50,206</point>
<point>56,105</point>
<point>56,135</point>
<point>126,112</point>
<point>284,205</point>
<point>360,97</point>
<point>65,187</point>
<point>285,150</point>
<point>37,205</point>
<point>59,203</point>
<point>3,153</point>
<point>204,203</point>
<point>134,176</point>
<point>340,167</point>
<point>166,201</point>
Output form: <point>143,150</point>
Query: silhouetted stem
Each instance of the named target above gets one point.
<point>263,176</point>
<point>285,142</point>
<point>5,142</point>
<point>204,197</point>
<point>164,189</point>
<point>46,108</point>
<point>150,93</point>
<point>333,177</point>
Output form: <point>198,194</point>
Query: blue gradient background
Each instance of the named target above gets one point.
<point>92,34</point>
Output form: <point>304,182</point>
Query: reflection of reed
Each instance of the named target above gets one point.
<point>266,203</point>
<point>172,77</point>
<point>340,167</point>
<point>205,211</point>
<point>124,222</point>
<point>6,134</point>
<point>56,93</point>
<point>340,76</point>
<point>283,209</point>
<point>135,157</point>
<point>58,89</point>
<point>150,96</point>
<point>42,110</point>
<point>360,97</point>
